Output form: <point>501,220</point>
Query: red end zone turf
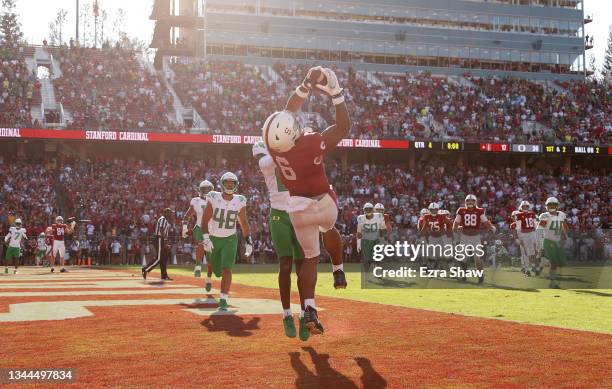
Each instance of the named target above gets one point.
<point>366,345</point>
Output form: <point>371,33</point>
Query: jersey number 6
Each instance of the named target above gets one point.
<point>286,169</point>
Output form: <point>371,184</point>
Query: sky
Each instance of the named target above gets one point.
<point>35,16</point>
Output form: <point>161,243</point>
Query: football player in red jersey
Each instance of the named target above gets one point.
<point>58,231</point>
<point>435,226</point>
<point>470,220</point>
<point>526,223</point>
<point>299,155</point>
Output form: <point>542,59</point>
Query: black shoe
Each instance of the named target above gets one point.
<point>52,270</point>
<point>311,319</point>
<point>144,274</point>
<point>339,279</point>
<point>480,280</point>
<point>62,270</point>
<point>527,273</point>
<point>167,278</point>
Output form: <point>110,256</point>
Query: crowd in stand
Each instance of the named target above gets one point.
<point>18,88</point>
<point>123,198</point>
<point>109,89</point>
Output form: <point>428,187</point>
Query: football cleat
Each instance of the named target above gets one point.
<point>223,305</point>
<point>6,270</point>
<point>63,270</point>
<point>480,280</point>
<point>339,279</point>
<point>289,326</point>
<point>197,273</point>
<point>52,270</point>
<point>144,273</point>
<point>167,279</point>
<point>15,271</point>
<point>311,320</point>
<point>208,286</point>
<point>303,330</point>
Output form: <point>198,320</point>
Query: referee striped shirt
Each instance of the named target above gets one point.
<point>162,227</point>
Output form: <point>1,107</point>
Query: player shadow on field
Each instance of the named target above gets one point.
<point>326,376</point>
<point>233,325</point>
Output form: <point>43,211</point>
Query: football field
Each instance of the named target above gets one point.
<point>117,330</point>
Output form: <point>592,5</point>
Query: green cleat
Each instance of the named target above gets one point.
<point>208,286</point>
<point>289,325</point>
<point>223,305</point>
<point>304,333</point>
<point>197,272</point>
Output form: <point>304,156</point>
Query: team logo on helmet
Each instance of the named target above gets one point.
<point>227,178</point>
<point>379,208</point>
<point>281,130</point>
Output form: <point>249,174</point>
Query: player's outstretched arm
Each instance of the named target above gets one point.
<point>296,100</point>
<point>335,133</point>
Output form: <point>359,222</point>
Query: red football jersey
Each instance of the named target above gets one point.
<point>437,225</point>
<point>58,231</point>
<point>527,220</point>
<point>302,168</point>
<point>470,219</point>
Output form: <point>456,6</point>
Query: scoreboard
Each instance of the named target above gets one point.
<point>514,148</point>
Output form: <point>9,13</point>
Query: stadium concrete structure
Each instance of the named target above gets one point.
<point>538,39</point>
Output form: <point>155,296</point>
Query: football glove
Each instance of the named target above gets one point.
<point>358,245</point>
<point>207,243</point>
<point>332,87</point>
<point>184,231</point>
<point>248,247</point>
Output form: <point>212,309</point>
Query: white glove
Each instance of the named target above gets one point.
<point>248,247</point>
<point>332,87</point>
<point>184,232</point>
<point>358,245</point>
<point>493,229</point>
<point>207,243</point>
<point>72,224</point>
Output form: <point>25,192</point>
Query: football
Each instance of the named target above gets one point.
<point>317,77</point>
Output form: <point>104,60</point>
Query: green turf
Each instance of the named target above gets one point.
<point>577,309</point>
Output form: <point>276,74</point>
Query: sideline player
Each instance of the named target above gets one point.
<point>552,229</point>
<point>14,238</point>
<point>299,156</point>
<point>59,230</point>
<point>526,223</point>
<point>284,240</point>
<point>197,207</point>
<point>49,245</point>
<point>369,227</point>
<point>223,209</point>
<point>470,220</point>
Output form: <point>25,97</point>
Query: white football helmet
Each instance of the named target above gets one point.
<point>259,149</point>
<point>205,187</point>
<point>424,211</point>
<point>281,130</point>
<point>17,222</point>
<point>59,219</point>
<point>470,201</point>
<point>368,208</point>
<point>379,208</point>
<point>433,208</point>
<point>552,204</point>
<point>524,206</point>
<point>229,176</point>
<point>498,242</point>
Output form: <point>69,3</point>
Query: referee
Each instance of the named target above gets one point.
<point>160,238</point>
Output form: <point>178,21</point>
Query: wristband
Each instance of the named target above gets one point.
<point>206,237</point>
<point>300,92</point>
<point>338,99</point>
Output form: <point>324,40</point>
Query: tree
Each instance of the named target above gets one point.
<point>606,69</point>
<point>119,25</point>
<point>10,28</point>
<point>56,27</point>
<point>592,69</point>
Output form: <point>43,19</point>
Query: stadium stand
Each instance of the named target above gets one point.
<point>19,89</point>
<point>107,88</point>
